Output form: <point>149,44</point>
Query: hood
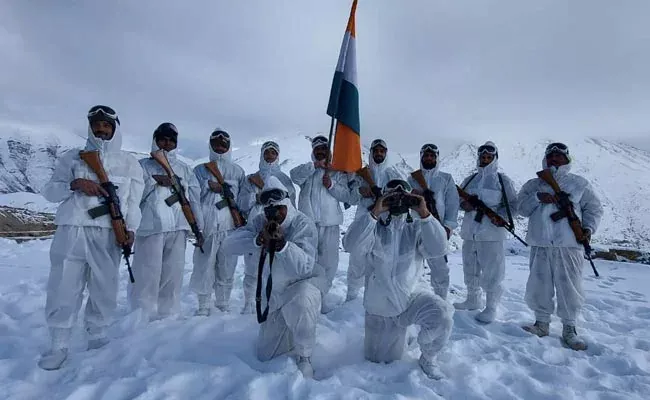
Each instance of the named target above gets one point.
<point>171,155</point>
<point>267,169</point>
<point>214,156</point>
<point>378,169</point>
<point>490,169</point>
<point>105,146</point>
<point>428,173</point>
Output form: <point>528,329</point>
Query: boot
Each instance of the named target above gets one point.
<point>222,298</point>
<point>473,301</point>
<point>304,366</point>
<point>249,307</point>
<point>58,353</point>
<point>571,339</point>
<point>539,328</point>
<point>204,305</point>
<point>430,368</point>
<point>352,294</point>
<point>96,336</point>
<point>490,312</point>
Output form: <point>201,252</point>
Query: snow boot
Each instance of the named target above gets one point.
<point>539,328</point>
<point>430,368</point>
<point>249,307</point>
<point>204,306</point>
<point>571,339</point>
<point>58,353</point>
<point>304,366</point>
<point>222,298</point>
<point>473,301</point>
<point>490,312</point>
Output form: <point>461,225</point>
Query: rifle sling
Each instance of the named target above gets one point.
<point>505,199</point>
<point>263,315</point>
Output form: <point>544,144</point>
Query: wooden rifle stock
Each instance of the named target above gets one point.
<point>237,219</point>
<point>574,222</point>
<point>160,157</point>
<point>256,180</point>
<point>418,176</point>
<point>94,162</point>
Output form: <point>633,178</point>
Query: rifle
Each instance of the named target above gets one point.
<point>428,197</point>
<point>228,195</point>
<point>567,210</point>
<point>110,205</point>
<point>418,176</point>
<point>256,180</point>
<point>364,173</point>
<point>178,195</point>
<point>482,209</point>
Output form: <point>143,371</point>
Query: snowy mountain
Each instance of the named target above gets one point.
<point>616,170</point>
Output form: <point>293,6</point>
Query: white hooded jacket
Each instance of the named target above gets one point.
<point>381,175</point>
<point>249,191</point>
<point>391,257</point>
<point>295,262</point>
<point>122,169</point>
<point>542,230</point>
<point>215,220</point>
<point>157,216</point>
<point>444,192</point>
<point>319,203</point>
<point>486,185</point>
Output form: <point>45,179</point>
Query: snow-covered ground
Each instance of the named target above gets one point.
<point>213,358</point>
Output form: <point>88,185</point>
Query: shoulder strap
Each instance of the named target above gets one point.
<point>505,199</point>
<point>471,179</point>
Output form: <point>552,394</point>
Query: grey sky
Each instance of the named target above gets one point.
<point>427,69</point>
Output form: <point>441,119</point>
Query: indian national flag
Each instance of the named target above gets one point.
<point>344,104</point>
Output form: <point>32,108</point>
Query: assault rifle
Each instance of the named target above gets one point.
<point>429,197</point>
<point>110,205</point>
<point>178,195</point>
<point>418,176</point>
<point>272,228</point>
<point>482,209</point>
<point>256,180</point>
<point>227,194</point>
<point>364,173</point>
<point>567,211</point>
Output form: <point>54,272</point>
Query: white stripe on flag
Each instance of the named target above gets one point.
<point>348,59</point>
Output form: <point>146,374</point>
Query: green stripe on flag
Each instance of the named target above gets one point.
<point>344,102</point>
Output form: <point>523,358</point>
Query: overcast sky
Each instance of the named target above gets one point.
<point>428,69</point>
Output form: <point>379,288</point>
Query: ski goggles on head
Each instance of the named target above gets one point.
<point>319,141</point>
<point>99,112</point>
<point>397,185</point>
<point>429,147</point>
<point>270,145</point>
<point>487,148</point>
<point>219,134</point>
<point>272,196</point>
<point>557,148</point>
<point>378,142</point>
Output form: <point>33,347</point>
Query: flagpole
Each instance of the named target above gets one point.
<point>331,135</point>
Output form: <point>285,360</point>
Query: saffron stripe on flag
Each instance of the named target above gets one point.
<point>347,145</point>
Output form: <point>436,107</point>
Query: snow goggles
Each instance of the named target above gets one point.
<point>557,148</point>
<point>102,113</point>
<point>270,145</point>
<point>397,185</point>
<point>272,196</point>
<point>429,147</point>
<point>487,148</point>
<point>319,141</point>
<point>219,134</point>
<point>378,142</point>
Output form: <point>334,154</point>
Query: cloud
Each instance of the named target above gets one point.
<point>427,70</point>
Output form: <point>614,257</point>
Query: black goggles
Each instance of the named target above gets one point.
<point>487,148</point>
<point>557,148</point>
<point>429,147</point>
<point>272,196</point>
<point>102,113</point>
<point>223,135</point>
<point>397,185</point>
